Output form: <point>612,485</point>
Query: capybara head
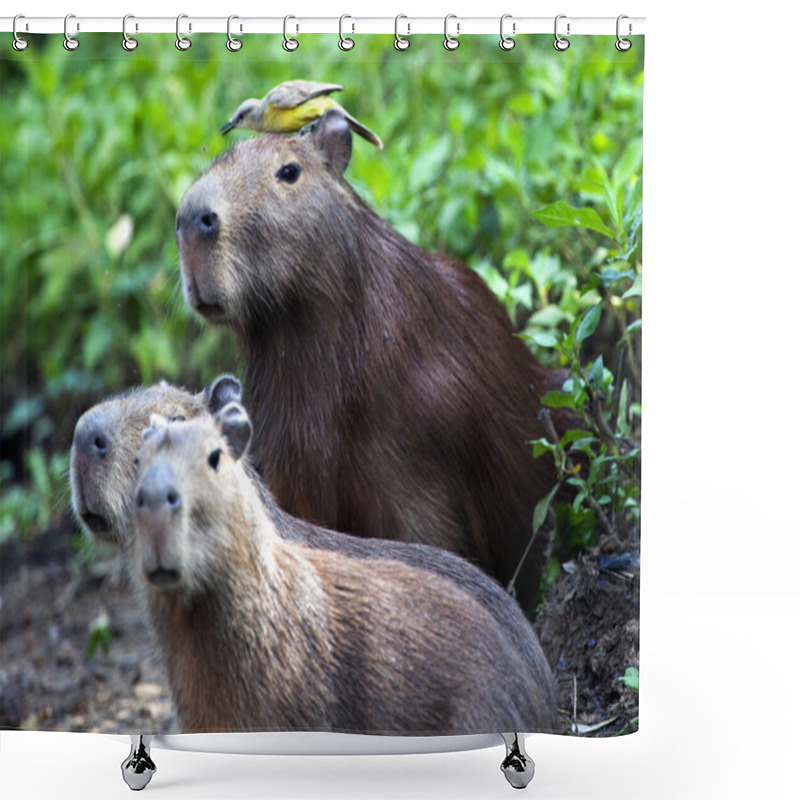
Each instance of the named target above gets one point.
<point>189,490</point>
<point>251,225</point>
<point>103,469</point>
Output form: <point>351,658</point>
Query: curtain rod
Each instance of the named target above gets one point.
<point>404,25</point>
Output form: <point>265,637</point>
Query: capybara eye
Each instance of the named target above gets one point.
<point>288,173</point>
<point>213,459</point>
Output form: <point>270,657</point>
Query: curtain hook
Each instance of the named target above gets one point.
<point>182,42</point>
<point>400,42</point>
<point>233,44</point>
<point>19,43</point>
<point>70,42</point>
<point>561,43</point>
<point>128,42</point>
<point>289,44</point>
<point>451,42</point>
<point>506,42</point>
<point>345,42</point>
<point>623,45</point>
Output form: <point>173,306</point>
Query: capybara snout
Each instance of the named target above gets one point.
<point>93,446</point>
<point>157,491</point>
<point>201,221</point>
<point>157,511</point>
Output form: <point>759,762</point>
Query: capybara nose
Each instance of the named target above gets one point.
<point>93,435</point>
<point>197,221</point>
<point>157,490</point>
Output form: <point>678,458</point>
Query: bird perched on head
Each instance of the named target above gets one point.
<point>291,106</point>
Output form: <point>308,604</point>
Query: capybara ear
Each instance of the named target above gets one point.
<point>234,425</point>
<point>225,389</point>
<point>158,424</point>
<point>333,137</point>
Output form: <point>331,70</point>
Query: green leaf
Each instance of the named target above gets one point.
<point>636,289</point>
<point>584,445</point>
<point>559,214</point>
<point>596,373</point>
<point>544,339</point>
<point>557,400</point>
<point>100,635</point>
<point>630,162</point>
<point>540,512</point>
<point>589,323</point>
<point>516,260</point>
<point>575,435</point>
<point>542,446</point>
<point>631,678</point>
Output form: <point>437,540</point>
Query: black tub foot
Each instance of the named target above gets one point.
<point>517,766</point>
<point>138,768</point>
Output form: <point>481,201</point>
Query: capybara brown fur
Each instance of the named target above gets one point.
<point>390,394</point>
<point>103,473</point>
<point>258,633</point>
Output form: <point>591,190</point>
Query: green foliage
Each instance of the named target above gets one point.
<point>100,636</point>
<point>600,460</point>
<point>631,679</point>
<point>25,509</point>
<point>98,146</point>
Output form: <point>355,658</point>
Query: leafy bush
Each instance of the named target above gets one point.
<point>484,151</point>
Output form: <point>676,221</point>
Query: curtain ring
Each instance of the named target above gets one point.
<point>506,42</point>
<point>70,42</point>
<point>128,42</point>
<point>233,44</point>
<point>289,44</point>
<point>345,42</point>
<point>182,42</point>
<point>451,42</point>
<point>561,43</point>
<point>623,45</point>
<point>19,43</point>
<point>400,42</point>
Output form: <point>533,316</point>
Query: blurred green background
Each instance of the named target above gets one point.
<point>97,147</point>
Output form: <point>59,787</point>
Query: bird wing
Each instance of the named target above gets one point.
<point>292,93</point>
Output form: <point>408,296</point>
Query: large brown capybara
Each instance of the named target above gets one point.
<point>104,472</point>
<point>258,633</point>
<point>389,392</point>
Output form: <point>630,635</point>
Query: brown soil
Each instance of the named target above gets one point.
<point>588,627</point>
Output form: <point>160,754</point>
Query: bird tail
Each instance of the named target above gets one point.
<point>364,131</point>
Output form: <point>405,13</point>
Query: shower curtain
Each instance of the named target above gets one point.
<point>525,165</point>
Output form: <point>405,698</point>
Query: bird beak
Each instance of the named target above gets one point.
<point>227,127</point>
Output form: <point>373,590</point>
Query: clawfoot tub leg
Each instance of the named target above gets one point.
<point>138,768</point>
<point>517,766</point>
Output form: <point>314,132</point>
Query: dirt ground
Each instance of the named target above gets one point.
<point>589,628</point>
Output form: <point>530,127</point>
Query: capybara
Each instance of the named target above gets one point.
<point>107,437</point>
<point>258,633</point>
<point>103,474</point>
<point>389,393</point>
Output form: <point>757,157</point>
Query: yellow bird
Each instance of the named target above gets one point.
<point>291,106</point>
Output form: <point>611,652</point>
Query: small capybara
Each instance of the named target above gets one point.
<point>389,392</point>
<point>258,633</point>
<point>103,474</point>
